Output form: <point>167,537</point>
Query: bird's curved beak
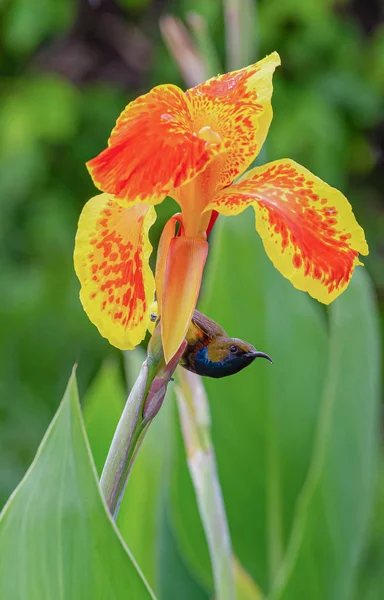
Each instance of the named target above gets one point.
<point>255,354</point>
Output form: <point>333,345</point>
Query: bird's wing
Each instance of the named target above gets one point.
<point>206,325</point>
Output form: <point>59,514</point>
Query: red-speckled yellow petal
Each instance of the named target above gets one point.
<point>182,279</point>
<point>153,148</point>
<point>308,228</point>
<point>111,257</point>
<point>235,106</point>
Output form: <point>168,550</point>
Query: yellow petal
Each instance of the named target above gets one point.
<point>308,228</point>
<point>112,251</point>
<point>235,109</point>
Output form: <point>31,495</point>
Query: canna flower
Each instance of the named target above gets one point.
<point>195,147</point>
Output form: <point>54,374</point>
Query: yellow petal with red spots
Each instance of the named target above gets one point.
<point>308,228</point>
<point>112,251</point>
<point>153,148</point>
<point>236,107</point>
<point>182,279</point>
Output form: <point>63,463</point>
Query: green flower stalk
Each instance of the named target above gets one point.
<point>196,423</point>
<point>143,404</point>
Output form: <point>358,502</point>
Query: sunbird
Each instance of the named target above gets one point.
<point>212,353</point>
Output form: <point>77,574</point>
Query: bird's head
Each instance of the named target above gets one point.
<point>225,356</point>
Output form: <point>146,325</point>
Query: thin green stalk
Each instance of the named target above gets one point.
<point>117,465</point>
<point>183,50</point>
<point>143,404</point>
<point>240,33</point>
<point>193,51</point>
<point>195,424</point>
<point>204,44</point>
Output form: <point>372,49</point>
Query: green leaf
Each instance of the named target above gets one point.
<point>174,579</point>
<point>334,508</point>
<point>56,537</point>
<point>102,408</point>
<point>370,580</point>
<point>264,418</point>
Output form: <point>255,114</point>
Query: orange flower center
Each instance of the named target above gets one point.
<point>195,195</point>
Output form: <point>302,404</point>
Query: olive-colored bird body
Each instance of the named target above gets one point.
<point>212,353</point>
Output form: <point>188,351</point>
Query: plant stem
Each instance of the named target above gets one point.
<point>143,404</point>
<point>204,44</point>
<point>118,464</point>
<point>195,424</point>
<point>240,32</point>
<point>183,50</point>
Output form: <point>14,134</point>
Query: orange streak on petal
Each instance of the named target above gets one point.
<point>112,251</point>
<point>308,228</point>
<point>153,148</point>
<point>165,239</point>
<point>182,279</point>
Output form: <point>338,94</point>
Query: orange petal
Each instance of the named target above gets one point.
<point>236,107</point>
<point>111,256</point>
<point>167,235</point>
<point>183,272</point>
<point>153,147</point>
<point>308,228</point>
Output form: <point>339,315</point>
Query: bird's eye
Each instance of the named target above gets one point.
<point>233,348</point>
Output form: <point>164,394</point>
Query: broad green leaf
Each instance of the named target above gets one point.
<point>57,539</point>
<point>264,418</point>
<point>334,508</point>
<point>370,580</point>
<point>102,408</point>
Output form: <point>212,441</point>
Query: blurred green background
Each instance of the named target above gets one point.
<point>67,70</point>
